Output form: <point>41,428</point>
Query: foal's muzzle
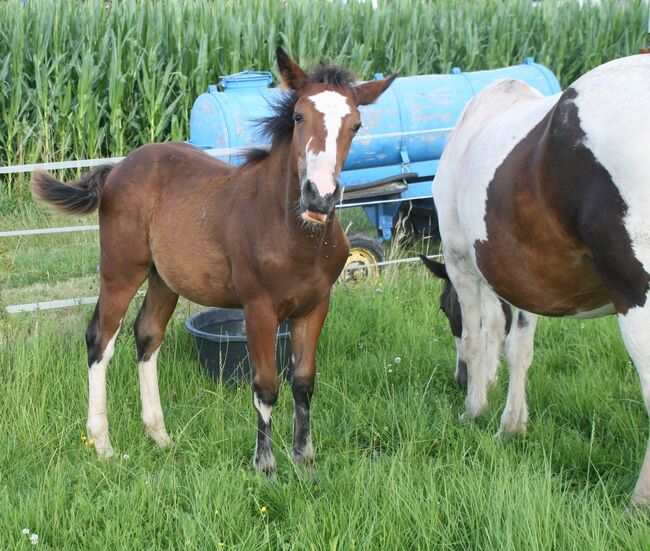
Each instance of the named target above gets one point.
<point>316,207</point>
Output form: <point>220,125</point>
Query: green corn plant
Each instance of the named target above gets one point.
<point>93,78</point>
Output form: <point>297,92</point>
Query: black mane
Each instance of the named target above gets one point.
<point>278,127</point>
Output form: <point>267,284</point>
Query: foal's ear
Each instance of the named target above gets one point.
<point>437,268</point>
<point>368,92</point>
<point>294,77</point>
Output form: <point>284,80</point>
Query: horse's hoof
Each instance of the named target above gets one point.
<point>639,505</point>
<point>507,434</point>
<point>265,465</point>
<point>304,457</point>
<point>160,437</point>
<point>105,453</point>
<point>472,412</point>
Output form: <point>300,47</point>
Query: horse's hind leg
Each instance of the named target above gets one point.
<point>635,327</point>
<point>483,334</point>
<point>519,354</point>
<point>114,298</point>
<point>158,306</point>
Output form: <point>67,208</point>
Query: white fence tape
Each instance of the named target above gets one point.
<point>72,302</point>
<point>85,163</point>
<point>65,229</point>
<point>50,305</point>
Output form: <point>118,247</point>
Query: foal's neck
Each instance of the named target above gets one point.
<point>283,171</point>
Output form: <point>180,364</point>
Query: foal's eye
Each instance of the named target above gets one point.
<point>356,128</point>
<point>297,117</point>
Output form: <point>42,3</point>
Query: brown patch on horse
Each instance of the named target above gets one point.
<point>557,244</point>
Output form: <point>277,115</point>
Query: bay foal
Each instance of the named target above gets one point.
<point>545,203</point>
<point>262,236</point>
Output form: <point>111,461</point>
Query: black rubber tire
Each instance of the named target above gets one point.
<point>364,252</point>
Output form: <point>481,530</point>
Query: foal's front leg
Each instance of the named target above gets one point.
<point>262,326</point>
<point>305,332</point>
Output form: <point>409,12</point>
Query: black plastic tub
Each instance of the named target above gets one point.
<point>222,344</point>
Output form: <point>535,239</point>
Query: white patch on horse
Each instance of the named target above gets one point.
<point>493,122</point>
<point>460,357</point>
<point>635,325</point>
<point>321,164</point>
<point>152,414</point>
<point>519,355</point>
<point>97,404</point>
<point>619,137</point>
<point>264,409</point>
<point>599,312</point>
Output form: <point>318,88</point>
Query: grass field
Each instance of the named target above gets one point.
<point>395,468</point>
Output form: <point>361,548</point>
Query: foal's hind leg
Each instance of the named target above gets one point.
<point>158,306</point>
<point>635,327</point>
<point>114,298</point>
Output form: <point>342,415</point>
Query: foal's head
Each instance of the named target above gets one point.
<point>325,118</point>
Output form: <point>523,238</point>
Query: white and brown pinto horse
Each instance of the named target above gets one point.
<point>545,203</point>
<point>262,236</point>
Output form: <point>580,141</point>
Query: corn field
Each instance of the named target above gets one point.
<point>91,79</point>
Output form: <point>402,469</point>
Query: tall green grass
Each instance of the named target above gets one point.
<point>95,78</point>
<point>396,470</point>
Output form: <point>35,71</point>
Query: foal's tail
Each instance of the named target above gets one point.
<point>80,197</point>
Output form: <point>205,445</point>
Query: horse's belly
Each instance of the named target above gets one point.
<point>202,276</point>
<point>551,284</point>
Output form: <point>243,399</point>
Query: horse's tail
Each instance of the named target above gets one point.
<point>437,268</point>
<point>80,197</point>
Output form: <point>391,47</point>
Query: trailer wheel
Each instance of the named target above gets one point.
<point>361,267</point>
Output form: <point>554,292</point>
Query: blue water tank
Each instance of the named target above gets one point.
<point>411,120</point>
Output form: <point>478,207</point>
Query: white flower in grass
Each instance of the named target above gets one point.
<point>25,531</point>
<point>125,456</point>
<point>398,360</point>
<point>33,538</point>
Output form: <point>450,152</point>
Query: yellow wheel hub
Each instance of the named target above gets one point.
<point>361,268</point>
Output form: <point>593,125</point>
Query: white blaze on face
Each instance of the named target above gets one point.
<point>321,164</point>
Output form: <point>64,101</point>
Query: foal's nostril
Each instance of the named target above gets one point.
<point>311,189</point>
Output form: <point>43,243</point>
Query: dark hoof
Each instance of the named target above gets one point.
<point>265,465</point>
